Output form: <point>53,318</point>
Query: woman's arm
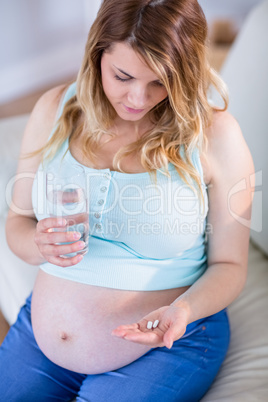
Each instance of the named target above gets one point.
<point>230,197</point>
<point>21,227</point>
<point>230,194</point>
<point>21,222</point>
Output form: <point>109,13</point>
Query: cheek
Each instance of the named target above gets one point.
<point>111,88</point>
<point>161,95</point>
<point>106,85</point>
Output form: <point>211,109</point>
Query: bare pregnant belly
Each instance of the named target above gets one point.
<point>72,322</point>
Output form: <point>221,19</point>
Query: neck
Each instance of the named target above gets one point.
<point>135,128</point>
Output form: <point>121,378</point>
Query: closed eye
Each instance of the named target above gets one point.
<point>121,79</point>
<point>158,83</point>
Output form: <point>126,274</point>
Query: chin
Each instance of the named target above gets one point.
<point>131,117</point>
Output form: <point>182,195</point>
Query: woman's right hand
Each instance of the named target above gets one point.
<point>46,240</point>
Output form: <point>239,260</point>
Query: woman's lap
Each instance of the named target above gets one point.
<point>183,373</point>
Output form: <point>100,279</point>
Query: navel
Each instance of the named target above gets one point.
<point>64,336</point>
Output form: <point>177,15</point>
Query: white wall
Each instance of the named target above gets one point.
<point>234,9</point>
<point>41,42</point>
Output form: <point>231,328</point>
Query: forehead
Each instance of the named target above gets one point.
<point>124,57</point>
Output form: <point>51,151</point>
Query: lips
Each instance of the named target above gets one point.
<point>134,111</point>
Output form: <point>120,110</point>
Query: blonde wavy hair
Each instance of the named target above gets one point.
<point>170,36</point>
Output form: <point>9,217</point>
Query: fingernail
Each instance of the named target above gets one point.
<point>77,235</point>
<point>81,244</point>
<point>62,221</point>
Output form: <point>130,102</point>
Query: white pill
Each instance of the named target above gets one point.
<point>156,323</point>
<point>149,324</point>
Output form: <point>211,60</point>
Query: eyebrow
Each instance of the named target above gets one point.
<point>123,72</point>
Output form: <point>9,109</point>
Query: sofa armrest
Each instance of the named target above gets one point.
<point>11,131</point>
<point>16,277</point>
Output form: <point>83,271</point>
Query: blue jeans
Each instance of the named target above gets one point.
<point>183,373</point>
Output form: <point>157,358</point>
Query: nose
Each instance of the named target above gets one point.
<point>137,96</point>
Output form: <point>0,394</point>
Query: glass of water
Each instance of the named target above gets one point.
<point>66,197</point>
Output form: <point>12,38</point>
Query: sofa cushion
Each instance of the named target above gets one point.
<point>16,279</point>
<point>244,373</point>
<point>11,131</point>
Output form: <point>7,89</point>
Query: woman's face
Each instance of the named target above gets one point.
<point>132,88</point>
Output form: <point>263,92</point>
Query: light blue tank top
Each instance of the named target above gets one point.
<point>143,236</point>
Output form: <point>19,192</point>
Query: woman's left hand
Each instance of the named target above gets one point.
<point>172,325</point>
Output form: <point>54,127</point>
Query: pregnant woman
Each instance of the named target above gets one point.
<point>142,316</point>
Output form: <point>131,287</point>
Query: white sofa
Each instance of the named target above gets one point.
<point>244,374</point>
<point>16,277</point>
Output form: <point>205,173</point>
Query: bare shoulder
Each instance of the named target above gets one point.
<point>42,119</point>
<point>223,131</point>
<point>38,128</point>
<point>227,150</point>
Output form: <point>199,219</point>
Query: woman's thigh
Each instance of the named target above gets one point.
<point>183,373</point>
<point>25,372</point>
